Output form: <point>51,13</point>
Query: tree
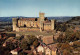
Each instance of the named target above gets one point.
<point>22,53</point>
<point>30,53</point>
<point>65,52</point>
<point>30,39</point>
<point>4,51</point>
<point>76,44</point>
<point>10,45</point>
<point>65,46</point>
<point>8,29</point>
<point>61,27</point>
<point>35,43</point>
<point>61,39</point>
<point>24,44</point>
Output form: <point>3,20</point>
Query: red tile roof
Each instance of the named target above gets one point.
<point>17,49</point>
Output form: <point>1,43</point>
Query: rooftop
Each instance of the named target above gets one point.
<point>29,19</point>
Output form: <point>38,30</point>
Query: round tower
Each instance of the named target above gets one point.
<point>52,24</point>
<point>41,16</point>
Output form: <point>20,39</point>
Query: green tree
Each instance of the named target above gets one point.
<point>30,39</point>
<point>65,52</point>
<point>24,44</point>
<point>22,53</point>
<point>35,43</point>
<point>10,45</point>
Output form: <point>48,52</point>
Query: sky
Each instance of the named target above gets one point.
<point>31,8</point>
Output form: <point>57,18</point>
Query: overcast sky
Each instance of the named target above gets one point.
<point>31,8</point>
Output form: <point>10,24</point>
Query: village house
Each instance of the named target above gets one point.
<point>53,48</point>
<point>33,49</point>
<point>47,49</point>
<point>15,51</point>
<point>40,48</point>
<point>4,45</point>
<point>47,39</point>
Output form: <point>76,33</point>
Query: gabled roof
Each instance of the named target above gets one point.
<point>17,49</point>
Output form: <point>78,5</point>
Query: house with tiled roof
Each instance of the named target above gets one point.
<point>15,51</point>
<point>50,49</point>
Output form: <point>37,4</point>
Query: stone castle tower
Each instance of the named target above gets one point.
<point>52,24</point>
<point>41,17</point>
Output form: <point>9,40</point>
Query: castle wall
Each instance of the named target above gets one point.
<point>28,29</point>
<point>21,23</point>
<point>33,29</point>
<point>52,24</point>
<point>47,26</point>
<point>17,29</point>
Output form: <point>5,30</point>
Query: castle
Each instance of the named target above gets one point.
<point>33,24</point>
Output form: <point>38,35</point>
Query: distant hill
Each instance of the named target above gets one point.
<point>5,19</point>
<point>74,19</point>
<point>59,19</point>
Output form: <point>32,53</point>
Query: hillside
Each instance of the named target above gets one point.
<point>74,20</point>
